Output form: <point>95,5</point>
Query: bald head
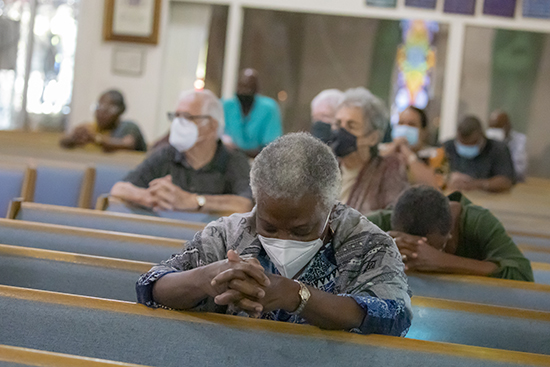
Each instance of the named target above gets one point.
<point>500,120</point>
<point>248,82</point>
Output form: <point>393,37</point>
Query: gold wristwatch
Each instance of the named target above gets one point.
<point>201,200</point>
<point>304,296</point>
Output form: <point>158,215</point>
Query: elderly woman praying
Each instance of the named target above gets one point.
<point>299,256</point>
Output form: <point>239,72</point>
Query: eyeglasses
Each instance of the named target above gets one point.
<point>105,108</point>
<point>199,120</point>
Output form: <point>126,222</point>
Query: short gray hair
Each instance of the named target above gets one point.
<point>211,106</point>
<point>333,97</point>
<point>295,165</point>
<point>374,110</point>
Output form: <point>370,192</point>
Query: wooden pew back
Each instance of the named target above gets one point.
<point>110,221</point>
<point>95,327</point>
<point>86,241</point>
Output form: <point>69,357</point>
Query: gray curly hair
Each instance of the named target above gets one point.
<point>332,97</point>
<point>294,165</point>
<point>374,110</point>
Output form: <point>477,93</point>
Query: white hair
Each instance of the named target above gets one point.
<point>295,165</point>
<point>332,97</point>
<point>374,110</point>
<point>211,105</point>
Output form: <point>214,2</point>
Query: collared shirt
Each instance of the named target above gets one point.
<point>482,237</point>
<point>360,262</point>
<point>226,174</point>
<point>493,160</point>
<point>517,145</point>
<point>259,128</point>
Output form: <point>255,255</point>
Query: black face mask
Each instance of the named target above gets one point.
<point>322,131</point>
<point>344,143</point>
<point>246,101</point>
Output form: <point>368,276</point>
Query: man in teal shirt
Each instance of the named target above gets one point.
<point>251,120</point>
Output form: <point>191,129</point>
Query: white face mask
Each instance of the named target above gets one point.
<point>496,134</point>
<point>291,256</point>
<point>183,134</point>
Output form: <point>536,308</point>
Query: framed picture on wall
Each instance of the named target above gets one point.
<point>132,21</point>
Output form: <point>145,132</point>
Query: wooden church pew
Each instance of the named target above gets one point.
<point>69,272</point>
<point>529,239</point>
<point>14,183</point>
<point>480,325</point>
<point>541,271</point>
<point>110,221</point>
<point>535,253</point>
<point>87,241</point>
<point>64,184</point>
<point>131,333</point>
<point>484,290</point>
<point>26,357</point>
<point>111,204</point>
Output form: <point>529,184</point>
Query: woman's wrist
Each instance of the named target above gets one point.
<point>290,295</point>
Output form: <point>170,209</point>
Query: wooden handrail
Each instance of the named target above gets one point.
<point>388,342</point>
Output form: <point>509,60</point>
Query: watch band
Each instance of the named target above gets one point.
<point>304,296</point>
<point>201,200</point>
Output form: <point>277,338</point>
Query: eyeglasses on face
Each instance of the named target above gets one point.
<point>196,119</point>
<point>103,107</point>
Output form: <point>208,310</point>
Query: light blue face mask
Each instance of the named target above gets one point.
<point>409,132</point>
<point>467,151</point>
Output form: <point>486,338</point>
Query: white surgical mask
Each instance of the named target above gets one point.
<point>495,134</point>
<point>183,134</point>
<point>290,256</point>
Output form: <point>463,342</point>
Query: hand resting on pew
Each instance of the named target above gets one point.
<point>195,171</point>
<point>419,254</point>
<point>442,234</point>
<point>163,194</point>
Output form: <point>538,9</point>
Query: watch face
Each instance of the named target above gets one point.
<point>201,200</point>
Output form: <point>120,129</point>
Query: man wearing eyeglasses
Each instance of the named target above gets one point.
<point>108,132</point>
<point>195,172</point>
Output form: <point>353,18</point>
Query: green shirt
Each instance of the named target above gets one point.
<point>482,237</point>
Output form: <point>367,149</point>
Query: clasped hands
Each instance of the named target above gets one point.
<point>242,283</point>
<point>399,147</point>
<point>417,254</point>
<point>162,194</point>
<point>462,181</point>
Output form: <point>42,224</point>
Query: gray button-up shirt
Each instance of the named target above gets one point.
<point>226,174</point>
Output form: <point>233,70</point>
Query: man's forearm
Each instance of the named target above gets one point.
<point>127,191</point>
<point>227,203</point>
<point>126,143</point>
<point>461,265</point>
<point>494,184</point>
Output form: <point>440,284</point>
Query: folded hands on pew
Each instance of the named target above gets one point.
<point>245,287</point>
<point>419,254</point>
<point>162,194</point>
<point>242,284</point>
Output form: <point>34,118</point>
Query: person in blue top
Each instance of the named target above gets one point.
<point>252,120</point>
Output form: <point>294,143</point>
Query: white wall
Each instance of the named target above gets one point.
<point>186,35</point>
<point>475,91</point>
<point>93,73</point>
